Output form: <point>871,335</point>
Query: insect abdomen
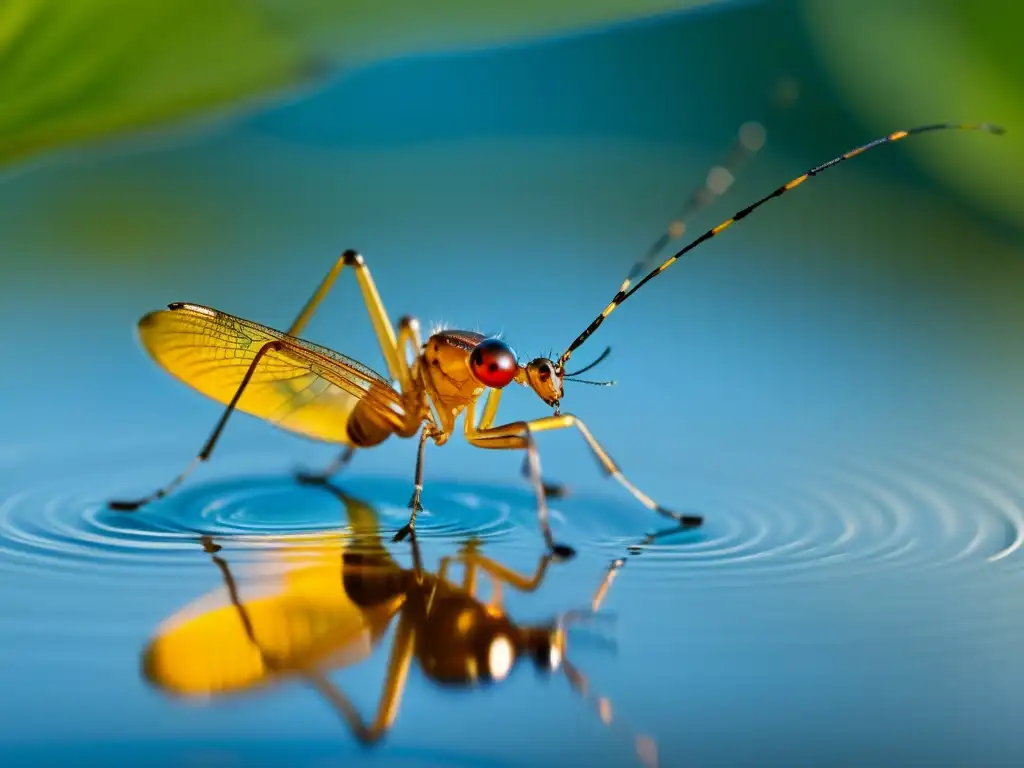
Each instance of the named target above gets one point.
<point>366,428</point>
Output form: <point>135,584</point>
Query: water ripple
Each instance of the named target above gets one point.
<point>62,529</point>
<point>787,517</point>
<point>802,518</point>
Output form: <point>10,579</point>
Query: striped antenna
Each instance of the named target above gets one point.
<point>749,140</point>
<point>625,293</point>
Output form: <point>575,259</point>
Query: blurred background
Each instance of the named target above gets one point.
<point>501,169</point>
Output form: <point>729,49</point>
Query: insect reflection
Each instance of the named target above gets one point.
<point>336,600</point>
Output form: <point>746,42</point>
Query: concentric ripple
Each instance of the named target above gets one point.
<point>802,518</point>
<point>787,517</point>
<point>63,529</point>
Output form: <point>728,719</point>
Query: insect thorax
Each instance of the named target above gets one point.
<point>445,363</point>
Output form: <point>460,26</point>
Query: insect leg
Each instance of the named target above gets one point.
<point>551,490</point>
<point>394,685</point>
<point>479,435</point>
<point>525,442</point>
<point>323,476</point>
<point>392,347</point>
<point>414,502</point>
<point>207,449</point>
<point>408,339</point>
<point>566,420</point>
<point>490,410</point>
<point>378,315</point>
<point>417,558</point>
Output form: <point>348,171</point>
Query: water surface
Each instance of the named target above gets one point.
<point>835,386</point>
<point>824,589</point>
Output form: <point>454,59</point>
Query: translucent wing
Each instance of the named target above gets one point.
<point>302,387</point>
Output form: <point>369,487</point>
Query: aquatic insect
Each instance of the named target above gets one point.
<point>332,605</point>
<point>318,393</point>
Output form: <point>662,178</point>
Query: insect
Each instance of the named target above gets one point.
<point>318,393</point>
<point>338,595</point>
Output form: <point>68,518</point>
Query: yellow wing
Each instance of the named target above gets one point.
<point>301,387</point>
<point>308,623</point>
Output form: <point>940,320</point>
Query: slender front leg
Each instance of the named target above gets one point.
<point>207,449</point>
<point>551,490</point>
<point>414,503</point>
<point>387,709</point>
<point>523,440</point>
<point>498,436</point>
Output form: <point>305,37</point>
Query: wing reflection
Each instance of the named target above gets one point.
<point>336,597</point>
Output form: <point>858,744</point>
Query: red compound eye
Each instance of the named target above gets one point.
<point>493,363</point>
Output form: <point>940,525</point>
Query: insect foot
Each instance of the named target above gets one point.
<point>685,521</point>
<point>406,531</point>
<point>562,552</point>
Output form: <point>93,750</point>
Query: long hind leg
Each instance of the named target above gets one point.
<point>211,441</point>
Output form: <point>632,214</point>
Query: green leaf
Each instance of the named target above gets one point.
<point>919,61</point>
<point>78,71</point>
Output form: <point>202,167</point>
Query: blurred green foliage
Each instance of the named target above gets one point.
<point>72,72</point>
<point>933,60</point>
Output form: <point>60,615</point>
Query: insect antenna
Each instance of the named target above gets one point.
<point>594,383</point>
<point>584,369</point>
<point>625,293</point>
<point>749,140</point>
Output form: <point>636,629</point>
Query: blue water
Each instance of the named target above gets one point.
<point>875,589</point>
<point>836,388</point>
